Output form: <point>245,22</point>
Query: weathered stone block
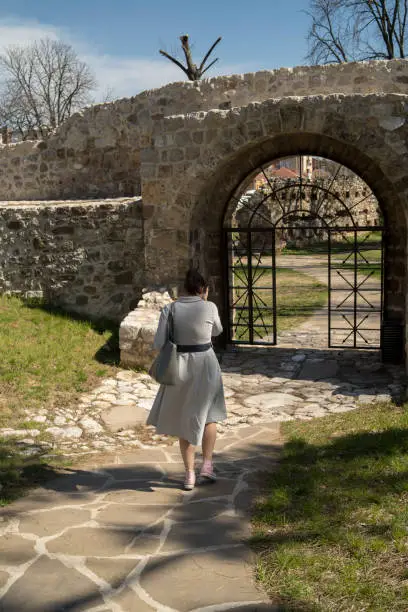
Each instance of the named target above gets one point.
<point>137,330</point>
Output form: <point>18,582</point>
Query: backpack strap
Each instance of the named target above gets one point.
<point>171,322</point>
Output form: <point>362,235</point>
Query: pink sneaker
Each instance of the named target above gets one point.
<point>207,472</point>
<point>189,481</point>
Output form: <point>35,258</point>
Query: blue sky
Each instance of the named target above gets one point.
<point>120,39</point>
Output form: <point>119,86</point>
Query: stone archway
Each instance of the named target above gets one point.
<point>185,201</point>
<point>229,176</point>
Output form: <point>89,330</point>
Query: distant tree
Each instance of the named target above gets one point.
<point>351,30</point>
<point>42,84</point>
<point>193,72</point>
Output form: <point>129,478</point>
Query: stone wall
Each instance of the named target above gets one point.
<point>348,200</point>
<point>87,257</point>
<point>97,153</point>
<point>204,157</point>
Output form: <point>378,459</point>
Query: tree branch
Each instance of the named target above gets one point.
<point>207,55</point>
<point>174,60</point>
<point>191,70</point>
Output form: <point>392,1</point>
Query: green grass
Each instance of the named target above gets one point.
<point>368,253</point>
<point>298,296</point>
<point>48,358</point>
<point>368,241</point>
<point>331,530</point>
<point>373,267</point>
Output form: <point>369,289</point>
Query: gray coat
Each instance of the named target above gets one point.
<point>183,409</point>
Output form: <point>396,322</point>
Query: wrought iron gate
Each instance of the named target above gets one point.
<point>256,225</point>
<point>355,287</point>
<point>252,286</point>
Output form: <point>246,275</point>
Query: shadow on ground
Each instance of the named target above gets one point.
<point>109,353</point>
<point>349,371</point>
<point>131,521</point>
<point>123,520</point>
<point>23,467</point>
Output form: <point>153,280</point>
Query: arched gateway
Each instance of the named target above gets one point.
<point>188,202</point>
<point>327,211</point>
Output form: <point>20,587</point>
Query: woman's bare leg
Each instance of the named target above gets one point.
<point>187,453</point>
<point>209,437</point>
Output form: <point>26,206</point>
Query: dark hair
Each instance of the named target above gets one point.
<point>194,283</point>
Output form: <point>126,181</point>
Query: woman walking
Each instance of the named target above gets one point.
<point>191,408</point>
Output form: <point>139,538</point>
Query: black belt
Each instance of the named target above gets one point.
<point>193,348</point>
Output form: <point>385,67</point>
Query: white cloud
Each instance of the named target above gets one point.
<point>14,32</point>
<point>128,76</point>
<point>122,76</point>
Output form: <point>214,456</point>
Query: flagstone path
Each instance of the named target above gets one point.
<point>118,534</point>
<point>124,537</point>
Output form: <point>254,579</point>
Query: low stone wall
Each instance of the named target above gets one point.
<point>87,257</point>
<point>138,329</point>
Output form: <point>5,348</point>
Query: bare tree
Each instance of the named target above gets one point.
<point>351,30</point>
<point>42,85</point>
<point>193,72</point>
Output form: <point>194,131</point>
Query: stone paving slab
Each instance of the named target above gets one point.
<point>262,385</point>
<point>125,537</point>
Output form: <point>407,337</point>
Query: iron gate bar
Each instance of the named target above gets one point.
<point>250,304</point>
<point>273,191</point>
<point>382,272</point>
<point>240,297</point>
<point>259,268</point>
<point>329,287</point>
<point>226,285</point>
<point>324,190</point>
<point>244,204</point>
<point>355,329</point>
<point>255,296</point>
<point>331,185</point>
<point>361,201</point>
<point>241,309</point>
<point>247,319</point>
<point>355,287</point>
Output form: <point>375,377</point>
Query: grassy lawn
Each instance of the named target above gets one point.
<point>47,360</point>
<point>368,253</point>
<point>298,296</point>
<point>369,243</point>
<point>331,530</point>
